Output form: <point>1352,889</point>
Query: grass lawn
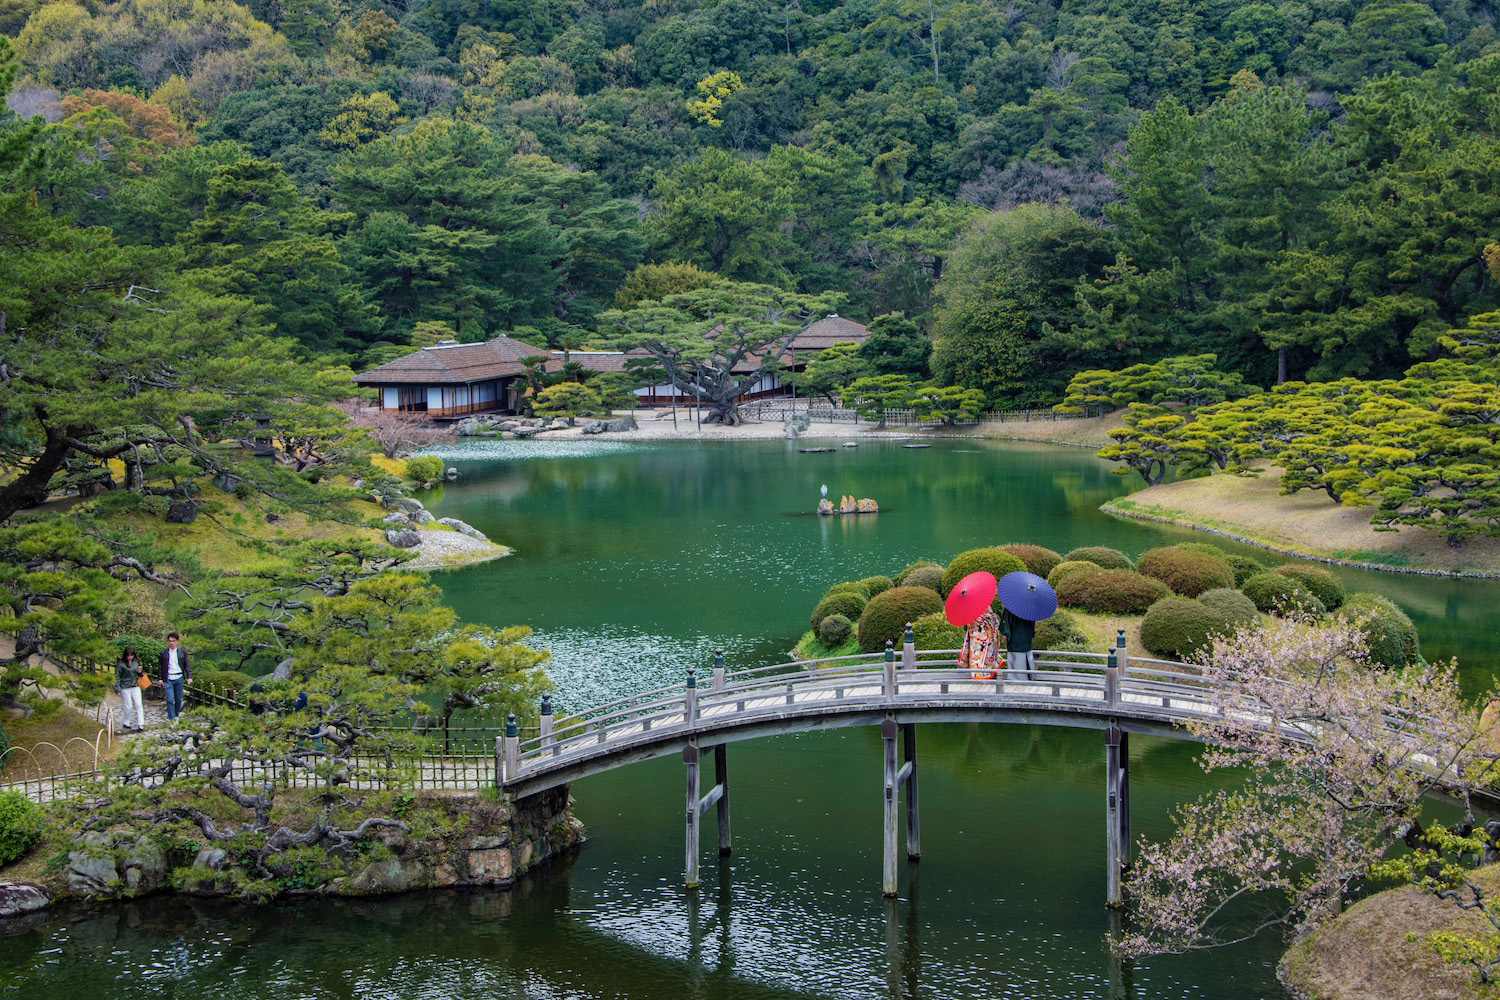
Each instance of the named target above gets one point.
<point>61,743</point>
<point>1303,523</point>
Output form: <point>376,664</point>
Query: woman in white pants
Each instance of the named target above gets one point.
<point>128,671</point>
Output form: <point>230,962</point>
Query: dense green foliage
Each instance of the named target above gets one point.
<point>1281,595</point>
<point>1101,555</point>
<point>933,632</point>
<point>886,616</point>
<point>21,824</point>
<point>993,560</point>
<point>900,578</point>
<point>1390,634</point>
<point>1302,189</point>
<point>1181,627</point>
<point>1323,584</point>
<point>1232,604</point>
<point>1038,558</point>
<point>1187,571</point>
<point>845,602</point>
<point>834,630</point>
<point>930,577</point>
<point>1071,567</point>
<point>1111,591</point>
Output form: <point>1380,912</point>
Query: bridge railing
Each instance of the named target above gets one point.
<point>1169,687</point>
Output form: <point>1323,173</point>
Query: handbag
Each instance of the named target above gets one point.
<point>142,681</point>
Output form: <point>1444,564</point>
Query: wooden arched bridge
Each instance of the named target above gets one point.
<point>894,690</point>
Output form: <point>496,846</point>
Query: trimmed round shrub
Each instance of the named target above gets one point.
<point>930,577</point>
<point>844,602</point>
<point>991,560</point>
<point>1232,604</point>
<point>886,615</point>
<point>1111,591</point>
<point>1063,570</point>
<point>1244,567</point>
<point>1061,631</point>
<point>1181,627</point>
<point>424,469</point>
<point>1390,637</point>
<point>1324,585</point>
<point>835,630</point>
<point>1277,594</point>
<point>900,578</point>
<point>1038,559</point>
<point>847,587</point>
<point>876,585</point>
<point>1188,572</point>
<point>154,505</point>
<point>934,632</point>
<point>1101,556</point>
<point>21,823</point>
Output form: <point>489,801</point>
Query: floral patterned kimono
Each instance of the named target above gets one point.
<point>980,653</point>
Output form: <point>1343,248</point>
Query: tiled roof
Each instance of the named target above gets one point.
<point>454,364</point>
<point>828,331</point>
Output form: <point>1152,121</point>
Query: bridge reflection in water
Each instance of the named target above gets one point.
<point>1112,692</point>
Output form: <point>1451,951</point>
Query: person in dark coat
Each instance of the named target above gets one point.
<point>176,674</point>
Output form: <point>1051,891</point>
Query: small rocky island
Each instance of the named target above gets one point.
<point>848,505</point>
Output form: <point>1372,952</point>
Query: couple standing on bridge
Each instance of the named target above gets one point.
<point>1025,599</point>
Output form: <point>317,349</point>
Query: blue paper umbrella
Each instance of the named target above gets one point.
<point>1027,595</point>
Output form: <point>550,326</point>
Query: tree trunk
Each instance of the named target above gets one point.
<point>29,489</point>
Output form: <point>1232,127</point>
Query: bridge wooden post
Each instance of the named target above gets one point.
<point>690,758</point>
<point>1117,812</point>
<point>888,857</point>
<point>888,677</point>
<point>546,720</point>
<point>512,745</point>
<point>719,669</point>
<point>909,769</point>
<point>500,762</point>
<point>908,649</point>
<point>1111,679</point>
<point>1122,657</point>
<point>721,779</point>
<point>690,699</point>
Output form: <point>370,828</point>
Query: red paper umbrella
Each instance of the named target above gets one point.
<point>970,599</point>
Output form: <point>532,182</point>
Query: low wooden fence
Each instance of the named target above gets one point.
<point>785,409</point>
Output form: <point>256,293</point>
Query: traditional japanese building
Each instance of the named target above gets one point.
<point>448,380</point>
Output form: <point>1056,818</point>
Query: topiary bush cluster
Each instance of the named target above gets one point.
<point>1231,604</point>
<point>21,824</point>
<point>1277,594</point>
<point>1072,567</point>
<point>1061,631</point>
<point>930,577</point>
<point>990,560</point>
<point>424,468</point>
<point>1390,636</point>
<point>1187,571</point>
<point>1323,584</point>
<point>1244,567</point>
<point>1038,559</point>
<point>1182,627</point>
<point>934,632</point>
<point>1111,591</point>
<point>885,616</point>
<point>1101,556</point>
<point>900,579</point>
<point>834,631</point>
<point>849,603</point>
<point>873,585</point>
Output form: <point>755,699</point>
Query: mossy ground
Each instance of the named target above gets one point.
<point>1368,952</point>
<point>1304,523</point>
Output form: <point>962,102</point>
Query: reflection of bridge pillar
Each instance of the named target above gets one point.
<point>1117,811</point>
<point>888,856</point>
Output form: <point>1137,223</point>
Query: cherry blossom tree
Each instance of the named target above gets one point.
<point>1340,755</point>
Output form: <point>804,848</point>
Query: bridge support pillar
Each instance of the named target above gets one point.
<point>721,777</point>
<point>696,806</point>
<point>913,819</point>
<point>1117,812</point>
<point>690,758</point>
<point>888,856</point>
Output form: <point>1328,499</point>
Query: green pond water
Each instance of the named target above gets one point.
<point>633,561</point>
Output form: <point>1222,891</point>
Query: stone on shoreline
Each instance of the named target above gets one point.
<point>463,528</point>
